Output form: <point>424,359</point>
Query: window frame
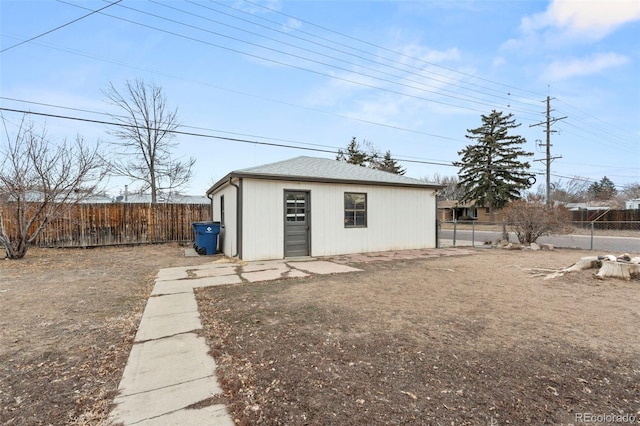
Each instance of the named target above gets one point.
<point>353,211</point>
<point>299,211</point>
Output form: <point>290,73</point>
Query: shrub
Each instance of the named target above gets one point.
<point>531,219</point>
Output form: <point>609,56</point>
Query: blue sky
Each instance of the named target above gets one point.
<point>408,76</point>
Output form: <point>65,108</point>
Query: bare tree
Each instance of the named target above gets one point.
<point>530,219</point>
<point>146,139</point>
<point>630,191</point>
<point>39,179</point>
<point>451,191</point>
<point>573,190</point>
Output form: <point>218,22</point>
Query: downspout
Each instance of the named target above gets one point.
<point>435,193</point>
<point>238,217</point>
<point>210,197</point>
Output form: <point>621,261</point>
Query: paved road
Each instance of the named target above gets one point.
<point>602,243</point>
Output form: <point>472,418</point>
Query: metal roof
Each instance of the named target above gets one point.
<point>313,169</point>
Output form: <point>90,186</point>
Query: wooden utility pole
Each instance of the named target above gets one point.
<point>548,157</point>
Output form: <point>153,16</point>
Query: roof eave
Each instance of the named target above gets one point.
<point>262,176</point>
<point>219,183</point>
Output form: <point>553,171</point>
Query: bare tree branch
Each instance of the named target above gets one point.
<point>39,180</point>
<point>145,138</point>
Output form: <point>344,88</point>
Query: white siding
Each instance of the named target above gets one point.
<point>398,218</point>
<point>262,220</point>
<point>228,232</point>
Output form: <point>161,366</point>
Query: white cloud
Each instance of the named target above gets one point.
<point>292,24</point>
<point>561,70</point>
<point>587,18</point>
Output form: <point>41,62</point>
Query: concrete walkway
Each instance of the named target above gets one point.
<point>170,378</point>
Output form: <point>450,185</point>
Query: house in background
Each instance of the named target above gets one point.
<point>143,198</point>
<point>310,206</point>
<point>633,204</point>
<point>453,210</point>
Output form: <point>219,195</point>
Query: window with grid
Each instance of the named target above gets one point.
<point>296,207</point>
<point>355,210</point>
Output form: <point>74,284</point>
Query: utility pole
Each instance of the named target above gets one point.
<point>548,157</point>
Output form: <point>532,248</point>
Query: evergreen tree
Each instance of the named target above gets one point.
<point>603,190</point>
<point>388,164</point>
<point>355,154</point>
<point>367,155</point>
<point>491,173</point>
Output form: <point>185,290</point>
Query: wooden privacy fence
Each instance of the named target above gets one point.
<point>87,225</point>
<point>608,219</point>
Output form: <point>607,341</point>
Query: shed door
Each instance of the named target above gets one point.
<point>296,223</point>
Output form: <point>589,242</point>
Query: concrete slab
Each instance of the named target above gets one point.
<point>169,367</point>
<point>157,327</point>
<point>171,287</point>
<point>264,266</point>
<point>214,415</point>
<point>176,273</point>
<point>322,267</point>
<point>152,406</point>
<point>187,286</point>
<point>264,275</point>
<point>165,362</point>
<point>213,270</point>
<point>170,304</point>
<point>213,281</point>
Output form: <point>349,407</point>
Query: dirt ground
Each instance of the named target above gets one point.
<point>68,318</point>
<point>478,339</point>
<point>474,339</point>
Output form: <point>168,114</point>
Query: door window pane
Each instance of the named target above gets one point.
<point>296,207</point>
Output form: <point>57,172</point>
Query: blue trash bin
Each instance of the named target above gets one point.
<point>206,236</point>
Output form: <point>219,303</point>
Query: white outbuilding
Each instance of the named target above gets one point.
<point>310,206</point>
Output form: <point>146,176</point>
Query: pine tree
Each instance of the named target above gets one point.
<point>355,154</point>
<point>365,154</point>
<point>603,190</point>
<point>388,164</point>
<point>491,173</point>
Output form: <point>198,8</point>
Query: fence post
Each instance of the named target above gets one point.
<point>473,233</point>
<point>455,222</point>
<point>591,236</point>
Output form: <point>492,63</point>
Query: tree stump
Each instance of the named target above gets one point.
<point>609,266</point>
<point>622,270</point>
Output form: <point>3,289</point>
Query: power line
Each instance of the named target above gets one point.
<point>333,48</point>
<point>330,149</point>
<point>255,142</point>
<point>313,109</point>
<point>351,117</point>
<point>325,74</point>
<point>611,136</point>
<point>202,135</point>
<point>385,48</point>
<point>271,100</point>
<point>59,27</point>
<point>470,98</point>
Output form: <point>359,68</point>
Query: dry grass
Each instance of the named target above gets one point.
<point>452,340</point>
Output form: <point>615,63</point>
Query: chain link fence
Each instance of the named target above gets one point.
<point>610,236</point>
